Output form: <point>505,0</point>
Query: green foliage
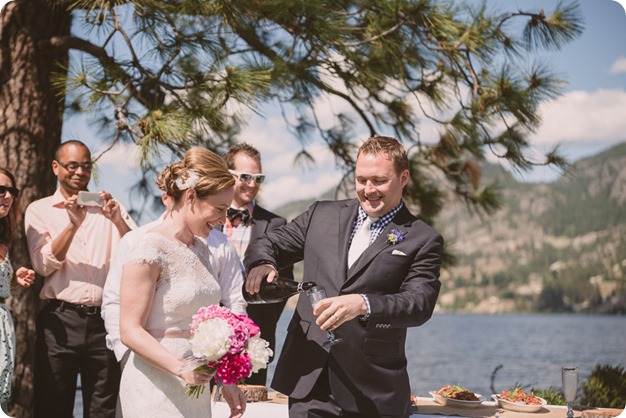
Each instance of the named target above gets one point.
<point>605,387</point>
<point>552,395</point>
<point>384,66</point>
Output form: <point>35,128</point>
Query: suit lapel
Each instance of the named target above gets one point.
<point>258,224</point>
<point>401,221</point>
<point>347,216</point>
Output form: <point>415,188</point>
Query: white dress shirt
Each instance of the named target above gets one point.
<point>224,261</point>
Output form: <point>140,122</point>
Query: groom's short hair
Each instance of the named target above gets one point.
<point>387,145</point>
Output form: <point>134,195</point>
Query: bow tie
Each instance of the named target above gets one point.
<point>242,214</point>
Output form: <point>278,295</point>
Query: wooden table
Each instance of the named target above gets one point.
<point>426,407</point>
<point>276,407</point>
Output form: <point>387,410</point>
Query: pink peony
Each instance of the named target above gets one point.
<point>233,368</point>
<point>253,329</point>
<point>225,349</point>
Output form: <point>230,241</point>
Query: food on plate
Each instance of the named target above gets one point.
<point>457,392</point>
<point>518,395</point>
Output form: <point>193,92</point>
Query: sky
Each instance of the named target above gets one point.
<point>589,117</point>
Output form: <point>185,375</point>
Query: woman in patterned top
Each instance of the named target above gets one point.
<point>24,276</point>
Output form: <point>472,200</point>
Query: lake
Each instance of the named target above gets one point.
<point>465,349</point>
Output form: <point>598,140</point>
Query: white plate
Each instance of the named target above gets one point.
<point>519,406</point>
<point>457,403</point>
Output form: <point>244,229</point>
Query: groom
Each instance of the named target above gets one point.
<point>380,267</point>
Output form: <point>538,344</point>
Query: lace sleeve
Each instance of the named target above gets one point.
<point>147,251</point>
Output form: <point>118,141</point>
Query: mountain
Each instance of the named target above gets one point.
<point>552,247</point>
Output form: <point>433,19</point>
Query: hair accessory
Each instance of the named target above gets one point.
<point>189,182</point>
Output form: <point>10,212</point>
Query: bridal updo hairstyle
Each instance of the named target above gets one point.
<point>207,165</point>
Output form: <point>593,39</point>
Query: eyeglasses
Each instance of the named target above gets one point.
<point>246,177</point>
<point>13,190</point>
<point>72,166</point>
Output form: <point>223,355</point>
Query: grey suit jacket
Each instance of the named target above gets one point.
<point>367,371</point>
<point>263,221</point>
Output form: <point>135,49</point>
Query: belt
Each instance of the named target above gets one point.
<point>81,309</point>
<point>170,333</point>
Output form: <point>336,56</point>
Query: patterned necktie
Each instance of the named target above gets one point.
<point>360,241</point>
<point>242,214</point>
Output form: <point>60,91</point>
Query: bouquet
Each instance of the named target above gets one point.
<point>227,344</point>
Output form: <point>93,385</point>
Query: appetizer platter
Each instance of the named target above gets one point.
<point>456,396</point>
<point>519,401</point>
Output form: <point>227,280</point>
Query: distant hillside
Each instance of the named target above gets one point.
<point>557,246</point>
<point>552,247</point>
<point>292,209</point>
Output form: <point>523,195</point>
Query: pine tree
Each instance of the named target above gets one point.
<point>166,75</point>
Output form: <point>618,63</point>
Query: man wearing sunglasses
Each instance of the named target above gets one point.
<point>245,222</point>
<point>70,245</point>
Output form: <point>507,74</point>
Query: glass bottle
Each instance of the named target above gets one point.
<point>280,289</point>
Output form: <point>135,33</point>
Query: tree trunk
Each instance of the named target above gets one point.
<point>31,117</point>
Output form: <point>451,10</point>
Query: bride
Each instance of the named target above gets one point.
<point>165,281</point>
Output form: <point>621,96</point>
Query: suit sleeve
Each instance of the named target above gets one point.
<point>282,246</point>
<point>415,301</point>
<point>284,271</point>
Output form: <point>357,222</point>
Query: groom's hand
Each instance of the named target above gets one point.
<point>257,275</point>
<point>332,312</point>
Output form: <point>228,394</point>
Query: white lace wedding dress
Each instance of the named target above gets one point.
<point>185,284</point>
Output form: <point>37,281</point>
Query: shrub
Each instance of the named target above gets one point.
<point>552,395</point>
<point>605,388</point>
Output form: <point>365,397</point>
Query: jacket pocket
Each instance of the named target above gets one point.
<point>381,348</point>
<point>395,258</point>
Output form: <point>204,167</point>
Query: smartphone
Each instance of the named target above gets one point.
<point>90,199</point>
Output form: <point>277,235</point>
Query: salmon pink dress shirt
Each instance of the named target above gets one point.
<point>80,277</point>
<point>238,233</point>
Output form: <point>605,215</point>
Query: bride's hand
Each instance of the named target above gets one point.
<point>235,399</point>
<point>195,377</point>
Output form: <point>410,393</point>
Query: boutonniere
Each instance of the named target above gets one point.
<point>395,237</point>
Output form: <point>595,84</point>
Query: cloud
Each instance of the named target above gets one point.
<point>582,124</point>
<point>287,181</point>
<point>583,116</point>
<point>579,121</point>
<point>619,66</point>
<point>287,189</point>
<point>122,159</point>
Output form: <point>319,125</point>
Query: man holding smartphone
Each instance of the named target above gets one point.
<point>70,245</point>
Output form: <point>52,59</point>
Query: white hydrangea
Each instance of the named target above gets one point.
<point>211,339</point>
<point>260,353</point>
